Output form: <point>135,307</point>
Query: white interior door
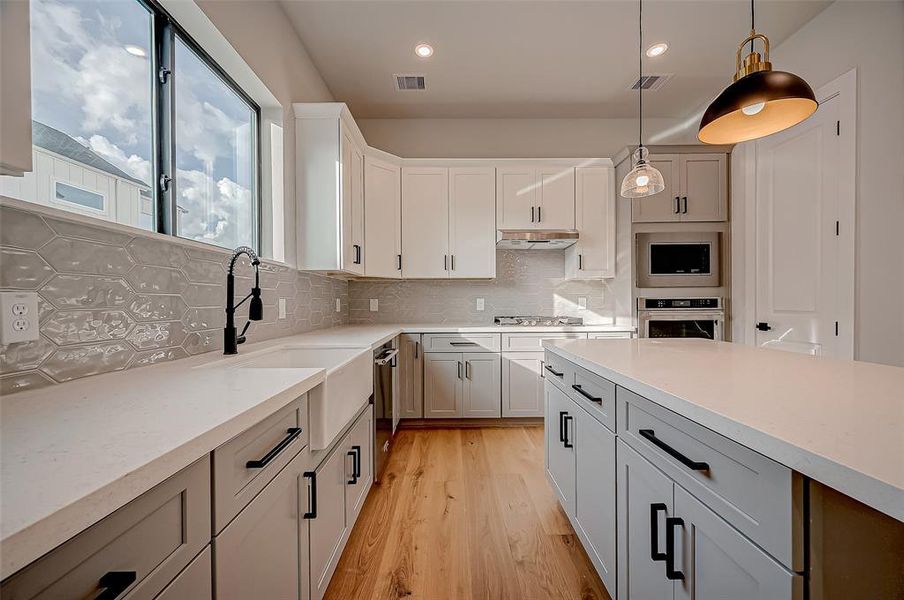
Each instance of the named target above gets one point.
<point>472,224</point>
<point>800,270</point>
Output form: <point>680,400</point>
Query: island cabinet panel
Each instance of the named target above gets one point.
<point>595,493</point>
<point>560,454</point>
<point>137,550</point>
<point>195,582</point>
<point>758,496</point>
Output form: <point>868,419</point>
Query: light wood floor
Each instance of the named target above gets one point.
<point>465,514</point>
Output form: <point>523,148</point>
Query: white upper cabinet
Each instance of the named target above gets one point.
<point>425,222</point>
<point>472,222</point>
<point>593,256</point>
<point>382,218</point>
<point>535,197</point>
<point>329,189</point>
<point>448,222</point>
<point>696,190</point>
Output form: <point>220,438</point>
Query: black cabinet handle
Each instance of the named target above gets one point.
<point>459,369</point>
<point>580,262</point>
<point>531,214</point>
<point>584,393</point>
<point>357,465</point>
<point>357,259</point>
<point>463,343</point>
<point>655,509</point>
<point>292,433</point>
<point>562,414</point>
<point>694,465</point>
<point>763,326</point>
<point>445,262</point>
<point>467,369</point>
<point>670,524</point>
<point>115,583</point>
<point>554,372</point>
<point>685,205</point>
<point>312,475</point>
<point>539,214</point>
<point>677,204</point>
<point>354,478</point>
<point>565,421</point>
<point>400,262</point>
<point>452,261</point>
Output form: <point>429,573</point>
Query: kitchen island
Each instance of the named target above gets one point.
<point>721,452</point>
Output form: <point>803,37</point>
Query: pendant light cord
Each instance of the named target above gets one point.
<point>752,23</point>
<point>640,73</point>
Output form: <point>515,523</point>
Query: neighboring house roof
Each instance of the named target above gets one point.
<point>60,143</point>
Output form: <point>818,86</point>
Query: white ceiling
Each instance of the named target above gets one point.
<point>520,58</point>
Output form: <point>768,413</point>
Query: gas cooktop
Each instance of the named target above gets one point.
<point>534,321</point>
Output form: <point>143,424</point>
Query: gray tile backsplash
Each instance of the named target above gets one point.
<point>527,283</point>
<point>111,300</point>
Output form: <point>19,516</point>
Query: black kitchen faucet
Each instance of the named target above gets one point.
<point>231,339</point>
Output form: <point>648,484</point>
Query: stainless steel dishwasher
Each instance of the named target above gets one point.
<point>384,400</point>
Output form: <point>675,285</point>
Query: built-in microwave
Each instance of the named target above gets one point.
<point>678,259</point>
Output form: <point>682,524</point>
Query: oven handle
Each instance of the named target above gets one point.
<point>386,357</point>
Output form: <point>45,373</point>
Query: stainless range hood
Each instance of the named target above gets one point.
<point>535,239</point>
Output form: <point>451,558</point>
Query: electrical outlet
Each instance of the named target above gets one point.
<point>480,304</point>
<point>18,317</point>
<point>281,305</point>
<point>374,305</point>
<point>582,303</point>
<point>338,305</point>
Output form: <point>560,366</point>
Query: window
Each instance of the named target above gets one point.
<point>134,123</point>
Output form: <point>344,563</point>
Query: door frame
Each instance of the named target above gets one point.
<point>845,88</point>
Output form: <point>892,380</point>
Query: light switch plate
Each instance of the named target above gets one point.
<point>282,308</point>
<point>374,305</point>
<point>582,303</point>
<point>18,317</point>
<point>480,304</point>
<point>338,305</point>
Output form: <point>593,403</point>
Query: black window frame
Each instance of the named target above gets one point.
<point>165,30</point>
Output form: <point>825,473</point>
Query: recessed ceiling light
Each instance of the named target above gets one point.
<point>423,50</point>
<point>136,51</point>
<point>657,49</point>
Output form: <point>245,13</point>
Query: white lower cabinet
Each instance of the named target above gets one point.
<point>359,450</point>
<point>560,455</point>
<point>522,384</point>
<point>460,385</point>
<point>411,376</point>
<point>327,525</point>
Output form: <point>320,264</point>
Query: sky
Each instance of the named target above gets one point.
<point>86,84</point>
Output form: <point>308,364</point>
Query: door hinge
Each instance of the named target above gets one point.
<point>163,74</point>
<point>837,127</point>
<point>837,228</point>
<point>836,328</point>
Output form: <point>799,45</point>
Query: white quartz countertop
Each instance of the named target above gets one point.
<point>839,422</point>
<point>73,453</point>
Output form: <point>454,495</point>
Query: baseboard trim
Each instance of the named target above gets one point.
<point>470,423</point>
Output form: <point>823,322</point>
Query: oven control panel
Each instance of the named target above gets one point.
<point>680,303</point>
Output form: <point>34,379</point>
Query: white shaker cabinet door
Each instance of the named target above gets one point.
<point>718,562</point>
<point>560,453</point>
<point>522,384</point>
<point>411,375</point>
<point>472,222</point>
<point>704,187</point>
<point>666,205</point>
<point>327,527</point>
<point>358,447</point>
<point>481,393</point>
<point>595,493</point>
<point>593,256</point>
<point>516,197</point>
<point>556,201</point>
<point>443,373</point>
<point>644,501</point>
<point>425,223</point>
<point>382,219</point>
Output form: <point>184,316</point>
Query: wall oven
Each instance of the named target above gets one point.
<point>678,259</point>
<point>680,318</point>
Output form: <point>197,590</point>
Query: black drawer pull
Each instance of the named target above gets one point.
<point>694,465</point>
<point>670,524</point>
<point>312,475</point>
<point>655,509</point>
<point>463,343</point>
<point>565,421</point>
<point>562,426</point>
<point>554,372</point>
<point>115,583</point>
<point>357,451</point>
<point>354,478</point>
<point>584,393</point>
<point>291,434</point>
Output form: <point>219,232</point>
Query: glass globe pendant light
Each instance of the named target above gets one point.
<point>644,179</point>
<point>760,102</point>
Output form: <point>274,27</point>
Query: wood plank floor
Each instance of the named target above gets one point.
<point>465,514</point>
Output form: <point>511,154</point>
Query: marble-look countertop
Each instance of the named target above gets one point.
<point>73,453</point>
<point>839,422</point>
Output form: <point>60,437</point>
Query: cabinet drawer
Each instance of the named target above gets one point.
<point>533,342</point>
<point>609,335</point>
<point>558,371</point>
<point>148,541</point>
<point>758,496</point>
<point>272,443</point>
<point>595,394</point>
<point>195,582</point>
<point>461,342</point>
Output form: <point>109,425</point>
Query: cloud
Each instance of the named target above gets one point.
<point>134,165</point>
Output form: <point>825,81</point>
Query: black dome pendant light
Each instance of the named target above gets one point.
<point>760,102</point>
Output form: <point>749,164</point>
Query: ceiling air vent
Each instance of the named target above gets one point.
<point>408,83</point>
<point>651,82</point>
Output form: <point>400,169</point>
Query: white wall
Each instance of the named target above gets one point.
<point>868,36</point>
<point>513,138</point>
<point>261,33</point>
